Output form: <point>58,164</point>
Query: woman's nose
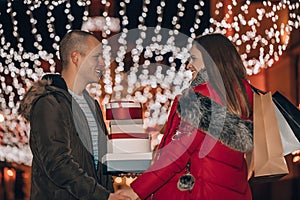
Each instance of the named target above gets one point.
<point>189,66</point>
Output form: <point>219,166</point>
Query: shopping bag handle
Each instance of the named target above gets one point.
<point>257,91</point>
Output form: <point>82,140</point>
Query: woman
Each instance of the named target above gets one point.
<point>209,130</point>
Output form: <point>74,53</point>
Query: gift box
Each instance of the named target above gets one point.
<point>126,163</point>
<point>123,110</point>
<point>126,128</point>
<point>127,143</point>
<point>128,146</point>
<point>126,121</point>
<point>128,135</point>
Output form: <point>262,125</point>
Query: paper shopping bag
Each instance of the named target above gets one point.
<point>268,158</point>
<point>289,141</point>
<point>289,111</point>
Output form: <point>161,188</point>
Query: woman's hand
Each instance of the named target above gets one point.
<point>116,196</point>
<point>128,192</point>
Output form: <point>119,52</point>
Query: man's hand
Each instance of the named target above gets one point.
<point>115,196</point>
<point>128,192</point>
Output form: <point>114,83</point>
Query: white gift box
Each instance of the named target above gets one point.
<point>130,145</point>
<point>126,163</point>
<point>123,104</point>
<point>126,121</point>
<point>126,128</point>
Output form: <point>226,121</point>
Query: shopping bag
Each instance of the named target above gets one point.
<point>289,111</point>
<point>268,159</point>
<point>289,141</point>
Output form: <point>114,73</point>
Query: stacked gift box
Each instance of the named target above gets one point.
<point>128,146</point>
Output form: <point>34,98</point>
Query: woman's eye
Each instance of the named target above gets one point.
<point>192,58</point>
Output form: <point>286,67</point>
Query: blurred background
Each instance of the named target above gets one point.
<point>266,34</point>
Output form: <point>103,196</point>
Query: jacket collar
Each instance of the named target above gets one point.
<point>49,83</point>
<point>216,120</point>
<point>56,81</point>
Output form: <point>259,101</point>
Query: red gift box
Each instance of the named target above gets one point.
<point>123,110</point>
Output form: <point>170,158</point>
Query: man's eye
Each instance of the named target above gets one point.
<point>98,54</point>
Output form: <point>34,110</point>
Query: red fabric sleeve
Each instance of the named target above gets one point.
<point>172,159</point>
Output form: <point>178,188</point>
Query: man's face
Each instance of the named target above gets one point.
<point>92,63</point>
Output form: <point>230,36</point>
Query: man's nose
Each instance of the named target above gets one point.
<point>100,60</point>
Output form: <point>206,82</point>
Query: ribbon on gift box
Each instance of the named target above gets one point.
<point>128,136</point>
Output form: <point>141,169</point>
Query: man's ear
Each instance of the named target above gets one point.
<point>74,57</point>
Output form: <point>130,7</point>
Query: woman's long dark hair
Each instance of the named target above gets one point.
<point>221,57</point>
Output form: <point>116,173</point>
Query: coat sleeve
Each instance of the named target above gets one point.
<point>50,131</point>
<point>173,157</point>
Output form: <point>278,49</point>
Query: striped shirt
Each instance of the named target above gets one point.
<point>91,122</point>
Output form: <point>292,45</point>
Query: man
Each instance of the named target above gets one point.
<point>68,134</point>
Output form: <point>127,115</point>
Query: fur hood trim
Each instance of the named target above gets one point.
<point>216,120</point>
<point>37,90</point>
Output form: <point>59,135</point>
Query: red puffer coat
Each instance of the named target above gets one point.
<point>212,139</point>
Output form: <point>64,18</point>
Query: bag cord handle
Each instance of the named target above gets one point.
<point>257,91</point>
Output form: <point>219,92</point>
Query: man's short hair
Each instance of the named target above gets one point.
<point>74,40</point>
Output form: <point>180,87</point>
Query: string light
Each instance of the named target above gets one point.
<point>270,44</point>
<point>50,23</point>
<point>137,51</point>
<point>106,47</point>
<point>22,68</point>
<point>70,17</point>
<point>34,30</point>
<point>120,55</point>
<point>172,82</point>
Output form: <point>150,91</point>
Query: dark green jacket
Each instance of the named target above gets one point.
<point>63,166</point>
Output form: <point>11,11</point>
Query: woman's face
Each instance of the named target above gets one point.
<point>196,61</point>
